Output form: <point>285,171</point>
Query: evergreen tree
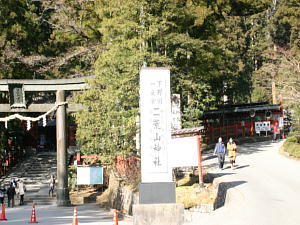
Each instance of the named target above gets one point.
<point>47,39</point>
<point>138,33</point>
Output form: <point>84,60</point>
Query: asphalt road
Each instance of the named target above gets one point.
<point>88,214</point>
<point>264,189</point>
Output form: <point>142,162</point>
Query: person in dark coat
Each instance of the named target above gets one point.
<point>2,194</point>
<point>11,192</point>
<point>13,182</point>
<point>220,150</point>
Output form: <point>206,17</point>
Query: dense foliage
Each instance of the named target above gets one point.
<point>213,48</point>
<point>292,146</point>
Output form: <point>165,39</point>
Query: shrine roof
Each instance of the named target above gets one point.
<point>194,130</point>
<point>246,108</point>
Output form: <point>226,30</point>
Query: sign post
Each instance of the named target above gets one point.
<point>199,161</point>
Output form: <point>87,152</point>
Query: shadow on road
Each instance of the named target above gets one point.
<point>241,167</point>
<point>209,177</point>
<point>216,175</point>
<point>208,157</point>
<point>244,149</point>
<point>222,191</point>
<point>250,148</point>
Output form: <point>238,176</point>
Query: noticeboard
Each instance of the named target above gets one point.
<point>89,175</point>
<point>183,152</point>
<point>262,126</point>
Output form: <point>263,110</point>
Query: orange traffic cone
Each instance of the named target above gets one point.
<point>116,217</point>
<point>33,215</point>
<point>75,219</point>
<point>3,216</point>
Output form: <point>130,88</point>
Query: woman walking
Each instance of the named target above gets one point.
<point>22,190</point>
<point>231,147</point>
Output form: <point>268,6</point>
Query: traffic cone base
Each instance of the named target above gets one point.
<point>3,216</point>
<point>33,215</point>
<point>116,217</point>
<point>75,218</point>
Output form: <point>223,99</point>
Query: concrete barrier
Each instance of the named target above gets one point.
<point>158,214</point>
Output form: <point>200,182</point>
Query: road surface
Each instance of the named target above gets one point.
<point>263,190</point>
<point>88,214</point>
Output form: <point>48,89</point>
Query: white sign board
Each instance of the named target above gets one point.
<point>262,126</point>
<point>155,109</point>
<point>89,175</point>
<point>183,152</point>
<point>281,122</point>
<point>175,112</point>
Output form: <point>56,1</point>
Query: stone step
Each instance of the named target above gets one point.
<point>38,169</point>
<point>44,202</point>
<point>35,172</point>
<point>17,202</point>
<point>40,198</point>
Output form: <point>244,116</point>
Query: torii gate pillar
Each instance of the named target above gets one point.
<point>62,198</point>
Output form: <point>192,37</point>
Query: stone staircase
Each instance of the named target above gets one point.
<point>35,171</point>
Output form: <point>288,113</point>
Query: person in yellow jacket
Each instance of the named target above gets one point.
<point>231,148</point>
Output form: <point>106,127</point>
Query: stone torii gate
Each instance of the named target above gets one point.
<point>17,90</point>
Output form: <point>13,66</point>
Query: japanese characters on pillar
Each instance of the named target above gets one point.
<point>175,110</point>
<point>155,108</point>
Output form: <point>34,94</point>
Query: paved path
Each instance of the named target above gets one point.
<point>88,214</point>
<point>263,190</point>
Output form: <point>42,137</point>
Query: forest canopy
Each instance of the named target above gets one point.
<point>213,48</point>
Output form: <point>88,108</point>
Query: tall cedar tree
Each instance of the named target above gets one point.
<point>135,34</point>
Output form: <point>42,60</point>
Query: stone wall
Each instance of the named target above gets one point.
<point>119,196</point>
<point>224,191</point>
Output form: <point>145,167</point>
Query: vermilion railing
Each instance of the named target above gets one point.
<point>212,133</point>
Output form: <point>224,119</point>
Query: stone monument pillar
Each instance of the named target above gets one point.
<point>157,190</point>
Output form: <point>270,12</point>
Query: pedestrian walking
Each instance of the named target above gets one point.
<point>21,190</point>
<point>2,194</point>
<point>11,192</point>
<point>231,147</point>
<point>51,185</point>
<point>220,150</point>
<point>13,182</point>
<point>275,131</point>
